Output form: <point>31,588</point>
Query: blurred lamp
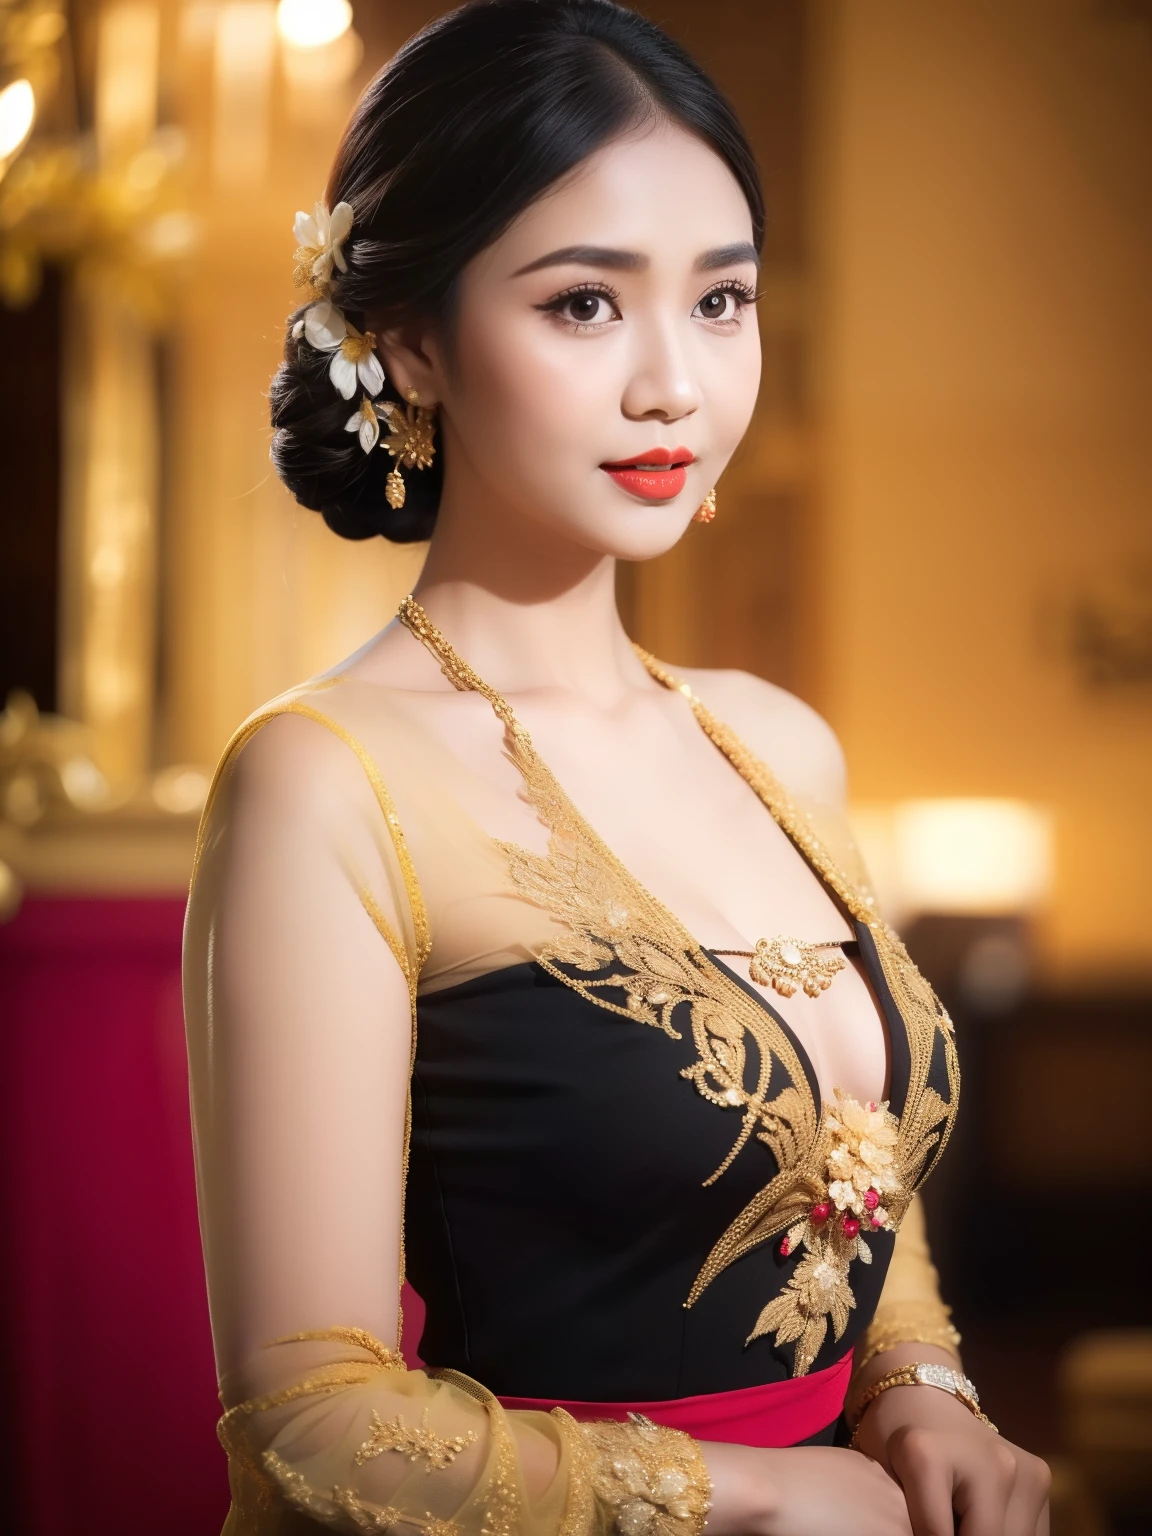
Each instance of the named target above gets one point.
<point>312,23</point>
<point>181,790</point>
<point>979,857</point>
<point>17,109</point>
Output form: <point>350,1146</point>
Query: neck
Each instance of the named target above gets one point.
<point>524,605</point>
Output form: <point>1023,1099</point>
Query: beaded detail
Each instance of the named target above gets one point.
<point>647,1479</point>
<point>415,1441</point>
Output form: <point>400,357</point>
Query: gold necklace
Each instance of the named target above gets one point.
<point>789,964</point>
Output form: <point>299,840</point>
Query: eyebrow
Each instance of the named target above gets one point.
<point>728,256</point>
<point>632,261</point>
<point>588,256</point>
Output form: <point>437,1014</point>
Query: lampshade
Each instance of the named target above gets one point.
<point>971,856</point>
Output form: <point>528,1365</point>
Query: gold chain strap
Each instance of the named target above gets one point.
<point>910,1376</point>
<point>455,668</point>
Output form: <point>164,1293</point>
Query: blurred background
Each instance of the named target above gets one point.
<point>939,532</point>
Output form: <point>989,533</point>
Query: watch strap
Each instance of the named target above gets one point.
<point>925,1374</point>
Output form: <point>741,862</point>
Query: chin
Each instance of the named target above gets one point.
<point>636,542</point>
<point>634,533</point>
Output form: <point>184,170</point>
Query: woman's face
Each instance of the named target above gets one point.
<point>609,329</point>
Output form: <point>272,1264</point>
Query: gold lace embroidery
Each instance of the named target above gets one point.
<point>502,1496</point>
<point>907,1322</point>
<point>344,1509</point>
<point>617,938</point>
<point>649,1480</point>
<point>415,1441</point>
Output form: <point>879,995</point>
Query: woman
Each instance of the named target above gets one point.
<point>673,1083</point>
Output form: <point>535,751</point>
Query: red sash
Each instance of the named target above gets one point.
<point>777,1414</point>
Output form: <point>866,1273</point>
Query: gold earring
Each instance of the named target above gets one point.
<point>706,511</point>
<point>409,441</point>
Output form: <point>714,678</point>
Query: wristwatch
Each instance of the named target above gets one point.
<point>925,1374</point>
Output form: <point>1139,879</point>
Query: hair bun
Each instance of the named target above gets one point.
<point>324,466</point>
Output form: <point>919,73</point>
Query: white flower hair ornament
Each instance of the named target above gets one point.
<point>354,358</point>
<point>320,238</point>
<point>323,325</point>
<point>366,420</point>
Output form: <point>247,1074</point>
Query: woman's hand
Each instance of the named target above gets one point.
<point>809,1491</point>
<point>956,1473</point>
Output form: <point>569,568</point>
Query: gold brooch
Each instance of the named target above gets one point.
<point>789,964</point>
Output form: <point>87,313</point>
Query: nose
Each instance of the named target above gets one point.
<point>662,385</point>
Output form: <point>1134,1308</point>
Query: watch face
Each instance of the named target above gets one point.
<point>947,1379</point>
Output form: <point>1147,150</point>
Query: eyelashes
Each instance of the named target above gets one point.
<point>590,293</point>
<point>586,303</point>
<point>733,287</point>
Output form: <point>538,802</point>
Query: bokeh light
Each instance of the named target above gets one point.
<point>17,111</point>
<point>312,23</point>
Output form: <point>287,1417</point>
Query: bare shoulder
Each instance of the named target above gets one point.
<point>788,735</point>
<point>294,765</point>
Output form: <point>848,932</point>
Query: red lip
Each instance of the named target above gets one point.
<point>657,474</point>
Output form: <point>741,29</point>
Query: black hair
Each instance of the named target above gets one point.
<point>473,119</point>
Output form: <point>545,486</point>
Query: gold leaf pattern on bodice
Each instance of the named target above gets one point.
<point>616,938</point>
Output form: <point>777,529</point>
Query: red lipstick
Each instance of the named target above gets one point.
<point>657,474</point>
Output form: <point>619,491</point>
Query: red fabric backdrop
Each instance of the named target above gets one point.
<point>111,1389</point>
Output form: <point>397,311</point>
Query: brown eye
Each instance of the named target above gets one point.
<point>588,308</point>
<point>721,304</point>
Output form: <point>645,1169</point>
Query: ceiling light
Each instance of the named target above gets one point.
<point>312,23</point>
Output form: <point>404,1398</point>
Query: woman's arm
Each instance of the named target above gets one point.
<point>299,1040</point>
<point>947,1462</point>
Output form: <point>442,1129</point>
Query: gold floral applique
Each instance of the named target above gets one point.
<point>650,1480</point>
<point>859,1175</point>
<point>415,1441</point>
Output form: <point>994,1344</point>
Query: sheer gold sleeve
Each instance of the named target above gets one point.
<point>304,940</point>
<point>910,1309</point>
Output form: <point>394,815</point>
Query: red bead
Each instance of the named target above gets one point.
<point>821,1212</point>
<point>851,1226</point>
<point>785,1248</point>
<point>871,1200</point>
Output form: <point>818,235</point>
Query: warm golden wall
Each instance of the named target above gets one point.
<point>985,237</point>
<point>257,593</point>
<point>960,201</point>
